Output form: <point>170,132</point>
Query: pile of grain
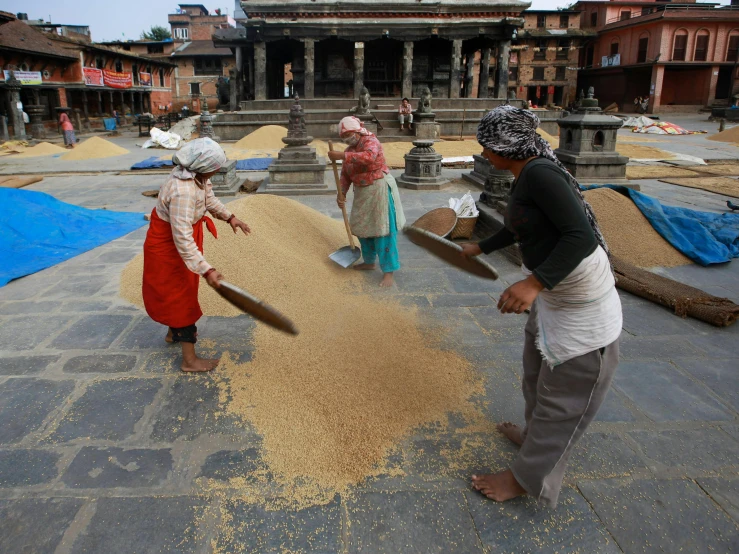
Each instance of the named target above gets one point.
<point>331,403</point>
<point>94,148</point>
<point>656,172</point>
<point>629,234</point>
<point>729,135</point>
<point>41,149</point>
<point>724,186</point>
<point>268,137</point>
<point>727,169</point>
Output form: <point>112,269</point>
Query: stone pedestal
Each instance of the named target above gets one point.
<point>297,170</point>
<point>206,125</point>
<point>4,128</point>
<point>13,87</point>
<point>35,112</point>
<point>226,182</point>
<point>77,119</point>
<point>425,126</point>
<point>496,184</point>
<point>422,168</point>
<point>587,145</point>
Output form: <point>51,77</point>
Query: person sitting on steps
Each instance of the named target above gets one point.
<point>405,113</point>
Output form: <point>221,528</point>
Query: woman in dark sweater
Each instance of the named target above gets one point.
<point>571,338</point>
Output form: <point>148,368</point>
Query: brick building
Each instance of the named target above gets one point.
<point>199,63</point>
<point>683,56</point>
<point>544,57</point>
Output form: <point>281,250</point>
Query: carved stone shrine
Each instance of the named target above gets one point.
<point>297,169</point>
<point>424,119</point>
<point>496,183</point>
<point>206,124</point>
<point>35,113</point>
<point>422,168</point>
<point>226,182</point>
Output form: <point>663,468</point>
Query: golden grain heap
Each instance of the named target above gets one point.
<point>361,375</point>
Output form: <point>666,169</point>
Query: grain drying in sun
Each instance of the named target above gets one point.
<point>94,148</point>
<point>361,375</point>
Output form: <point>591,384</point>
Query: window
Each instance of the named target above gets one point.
<point>513,74</point>
<point>681,43</point>
<point>538,74</point>
<point>208,66</point>
<point>541,49</point>
<point>119,66</point>
<point>732,54</point>
<point>100,63</point>
<point>127,47</point>
<point>563,49</point>
<point>541,21</point>
<point>701,47</point>
<point>194,88</point>
<point>161,78</point>
<point>625,14</point>
<point>641,55</point>
<point>560,73</point>
<point>564,21</point>
<point>155,49</point>
<point>614,48</point>
<point>594,19</point>
<point>181,33</point>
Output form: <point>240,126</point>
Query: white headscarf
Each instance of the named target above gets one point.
<point>351,123</point>
<point>202,155</point>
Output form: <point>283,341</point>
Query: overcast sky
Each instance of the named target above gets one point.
<point>125,19</point>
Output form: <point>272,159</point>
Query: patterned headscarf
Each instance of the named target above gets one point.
<point>202,155</point>
<point>510,132</point>
<point>351,123</point>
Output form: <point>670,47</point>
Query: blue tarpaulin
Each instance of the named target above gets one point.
<point>109,123</point>
<point>38,231</point>
<point>704,237</point>
<point>252,164</point>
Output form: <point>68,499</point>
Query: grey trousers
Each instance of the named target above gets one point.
<point>560,404</point>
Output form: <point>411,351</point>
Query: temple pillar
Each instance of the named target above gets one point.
<point>239,76</point>
<point>469,74</point>
<point>454,73</point>
<point>407,69</point>
<point>482,87</point>
<point>358,68</point>
<point>501,69</point>
<point>112,104</point>
<point>133,103</point>
<point>86,111</point>
<point>13,87</point>
<point>260,71</point>
<point>655,88</point>
<point>100,104</point>
<point>310,68</point>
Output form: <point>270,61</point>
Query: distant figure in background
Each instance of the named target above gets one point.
<point>405,114</point>
<point>117,116</point>
<point>185,111</point>
<point>67,130</point>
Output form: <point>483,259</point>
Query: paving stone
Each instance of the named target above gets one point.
<point>523,525</point>
<point>422,281</point>
<point>725,492</point>
<point>25,468</point>
<point>24,288</point>
<point>35,525</point>
<point>100,363</point>
<point>27,333</point>
<point>146,334</point>
<point>503,399</point>
<point>648,319</point>
<point>77,286</point>
<point>192,408</point>
<point>661,516</point>
<point>25,365</point>
<point>656,348</point>
<point>142,525</point>
<point>256,530</point>
<point>603,455</point>
<point>465,282</point>
<point>721,376</point>
<point>92,332</point>
<point>462,300</point>
<point>25,403</point>
<point>458,456</point>
<point>411,521</point>
<point>614,409</point>
<point>719,344</point>
<point>167,361</point>
<point>229,334</point>
<point>85,307</point>
<point>119,256</point>
<point>491,319</point>
<point>227,464</point>
<point>108,410</point>
<point>24,308</point>
<point>413,300</point>
<point>664,394</point>
<point>95,467</point>
<point>696,449</point>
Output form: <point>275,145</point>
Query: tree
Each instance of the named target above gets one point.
<point>157,32</point>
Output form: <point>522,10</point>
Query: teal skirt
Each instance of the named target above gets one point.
<point>385,248</point>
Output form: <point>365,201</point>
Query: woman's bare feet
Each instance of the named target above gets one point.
<point>387,280</point>
<point>498,486</point>
<point>511,431</point>
<point>364,267</point>
<point>191,363</point>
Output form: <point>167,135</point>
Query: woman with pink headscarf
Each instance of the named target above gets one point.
<point>377,214</point>
<point>67,130</point>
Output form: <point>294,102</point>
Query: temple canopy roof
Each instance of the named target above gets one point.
<point>437,7</point>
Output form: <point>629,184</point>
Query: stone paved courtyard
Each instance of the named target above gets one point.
<point>102,438</point>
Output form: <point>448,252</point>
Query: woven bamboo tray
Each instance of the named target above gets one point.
<point>440,221</point>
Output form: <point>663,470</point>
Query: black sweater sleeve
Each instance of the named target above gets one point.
<point>553,195</point>
<point>499,240</point>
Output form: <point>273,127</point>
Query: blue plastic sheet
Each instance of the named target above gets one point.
<point>110,123</point>
<point>704,237</point>
<point>253,164</point>
<point>38,231</point>
<point>152,163</point>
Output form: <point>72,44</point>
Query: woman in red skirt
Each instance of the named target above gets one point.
<point>173,250</point>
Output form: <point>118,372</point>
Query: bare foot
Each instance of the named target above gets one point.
<point>511,431</point>
<point>498,486</point>
<point>364,267</point>
<point>199,364</point>
<point>387,280</point>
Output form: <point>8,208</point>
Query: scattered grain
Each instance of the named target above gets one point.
<point>94,148</point>
<point>656,172</point>
<point>41,149</point>
<point>268,137</point>
<point>629,234</point>
<point>719,185</point>
<point>729,135</point>
<point>728,169</point>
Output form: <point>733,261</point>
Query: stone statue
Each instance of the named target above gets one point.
<point>424,103</point>
<point>224,92</point>
<point>297,132</point>
<point>591,92</point>
<point>363,104</point>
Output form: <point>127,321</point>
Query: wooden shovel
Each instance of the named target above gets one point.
<point>347,255</point>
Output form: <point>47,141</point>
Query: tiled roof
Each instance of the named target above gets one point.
<point>16,35</point>
<point>201,48</point>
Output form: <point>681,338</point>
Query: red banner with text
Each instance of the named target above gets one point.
<point>93,77</point>
<point>113,79</point>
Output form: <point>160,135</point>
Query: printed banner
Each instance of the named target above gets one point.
<point>145,79</point>
<point>550,89</point>
<point>113,79</point>
<point>93,77</point>
<point>611,60</point>
<point>25,77</point>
